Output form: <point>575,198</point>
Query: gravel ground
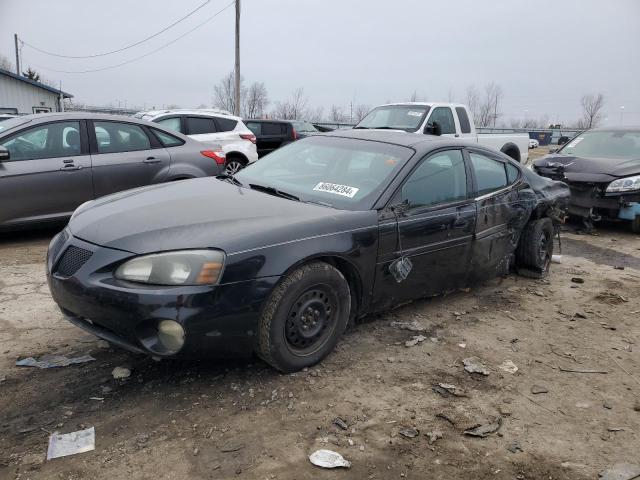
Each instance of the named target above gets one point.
<point>213,419</point>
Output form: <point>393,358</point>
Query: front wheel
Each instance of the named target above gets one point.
<point>535,249</point>
<point>304,317</point>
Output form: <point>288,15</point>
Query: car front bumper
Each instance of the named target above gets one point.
<point>217,320</point>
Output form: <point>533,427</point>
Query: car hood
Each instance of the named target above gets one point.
<point>205,213</point>
<point>590,169</point>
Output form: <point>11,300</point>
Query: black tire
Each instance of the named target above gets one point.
<point>234,164</point>
<point>533,255</point>
<point>635,224</point>
<point>291,340</point>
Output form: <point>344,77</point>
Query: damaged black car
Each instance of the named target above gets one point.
<point>279,258</point>
<point>602,168</point>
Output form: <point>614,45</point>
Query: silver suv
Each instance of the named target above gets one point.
<point>51,163</point>
<point>211,125</point>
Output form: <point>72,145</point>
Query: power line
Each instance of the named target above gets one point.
<point>141,56</point>
<point>119,49</point>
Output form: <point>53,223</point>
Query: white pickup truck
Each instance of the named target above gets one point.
<point>446,119</point>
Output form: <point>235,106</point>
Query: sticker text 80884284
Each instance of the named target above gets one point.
<point>344,190</point>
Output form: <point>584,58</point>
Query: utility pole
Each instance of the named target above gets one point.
<point>15,39</point>
<point>237,90</point>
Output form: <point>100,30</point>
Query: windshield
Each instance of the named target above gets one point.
<point>396,117</point>
<point>623,144</point>
<point>303,127</point>
<point>8,123</point>
<point>342,173</point>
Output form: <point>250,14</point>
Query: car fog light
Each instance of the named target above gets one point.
<point>170,335</point>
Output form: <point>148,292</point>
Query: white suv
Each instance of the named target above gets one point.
<point>211,126</point>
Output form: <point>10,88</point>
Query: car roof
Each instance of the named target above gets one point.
<point>185,111</point>
<point>423,104</point>
<point>270,120</point>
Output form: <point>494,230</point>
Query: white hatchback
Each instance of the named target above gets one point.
<point>211,126</point>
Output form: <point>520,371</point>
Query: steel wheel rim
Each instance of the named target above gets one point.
<point>544,251</point>
<point>311,320</point>
<point>232,167</point>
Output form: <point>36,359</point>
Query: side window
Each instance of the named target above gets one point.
<point>172,123</point>
<point>440,178</point>
<point>270,128</point>
<point>200,125</point>
<point>256,128</point>
<point>167,140</point>
<point>444,117</point>
<point>114,137</point>
<point>226,124</point>
<point>490,174</point>
<point>465,125</point>
<point>52,140</point>
<point>512,173</point>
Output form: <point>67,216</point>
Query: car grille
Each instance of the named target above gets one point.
<point>61,239</point>
<point>71,261</point>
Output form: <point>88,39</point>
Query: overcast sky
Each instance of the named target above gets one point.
<point>545,54</point>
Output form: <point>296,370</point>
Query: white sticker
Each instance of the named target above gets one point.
<point>575,142</point>
<point>414,114</point>
<point>344,190</point>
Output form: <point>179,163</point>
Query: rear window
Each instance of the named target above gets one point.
<point>465,125</point>
<point>200,125</point>
<point>270,128</point>
<point>226,124</point>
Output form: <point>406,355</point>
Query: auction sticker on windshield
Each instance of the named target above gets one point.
<point>344,190</point>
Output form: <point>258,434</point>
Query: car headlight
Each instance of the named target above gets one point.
<point>186,267</point>
<point>624,184</point>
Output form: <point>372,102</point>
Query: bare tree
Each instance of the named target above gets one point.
<point>591,110</point>
<point>32,74</point>
<point>489,107</point>
<point>316,114</point>
<point>416,97</point>
<point>5,63</point>
<point>336,114</point>
<point>201,106</point>
<point>360,111</point>
<point>224,93</point>
<point>473,102</point>
<point>294,108</point>
<point>255,101</point>
<point>451,96</point>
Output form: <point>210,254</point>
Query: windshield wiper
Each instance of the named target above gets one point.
<point>364,128</point>
<point>274,191</point>
<point>226,176</point>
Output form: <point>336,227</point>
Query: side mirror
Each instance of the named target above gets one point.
<point>4,154</point>
<point>433,128</point>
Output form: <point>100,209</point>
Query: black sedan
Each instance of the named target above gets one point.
<point>602,168</point>
<point>280,258</point>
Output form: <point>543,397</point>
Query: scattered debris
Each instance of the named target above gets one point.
<point>413,326</point>
<point>231,447</point>
<point>474,365</point>
<point>556,258</point>
<point>447,389</point>
<point>53,361</point>
<point>515,447</point>
<point>577,280</point>
<point>615,429</point>
<point>537,389</point>
<point>121,372</point>
<point>61,445</point>
<point>484,430</point>
<point>434,436</point>
<point>409,432</point>
<point>620,471</point>
<point>103,344</point>
<point>580,315</point>
<point>619,267</point>
<point>446,418</point>
<point>3,377</point>
<point>340,423</point>
<point>578,370</point>
<point>611,298</point>
<point>508,366</point>
<point>462,345</point>
<point>415,340</point>
<point>328,459</point>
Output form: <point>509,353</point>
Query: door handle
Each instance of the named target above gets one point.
<point>151,160</point>
<point>71,167</point>
<point>457,135</point>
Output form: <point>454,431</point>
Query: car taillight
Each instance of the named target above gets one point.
<point>218,156</point>
<point>248,136</point>
<point>295,134</point>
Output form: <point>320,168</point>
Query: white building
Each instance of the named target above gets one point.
<point>20,95</point>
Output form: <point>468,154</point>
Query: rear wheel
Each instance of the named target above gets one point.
<point>233,165</point>
<point>304,317</point>
<point>535,249</point>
